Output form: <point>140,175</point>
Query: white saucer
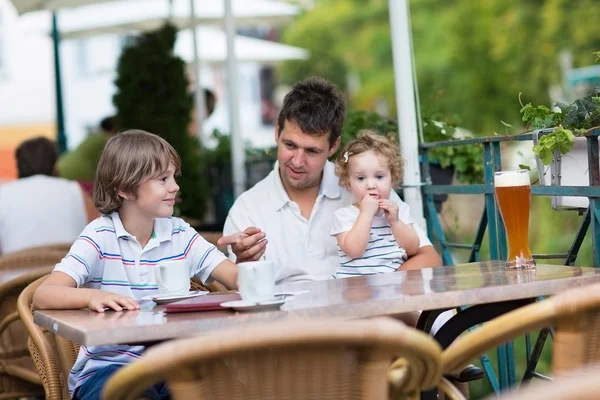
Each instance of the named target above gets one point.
<point>250,306</point>
<point>166,298</point>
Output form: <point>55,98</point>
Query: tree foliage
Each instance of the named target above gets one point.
<point>153,95</point>
<point>472,58</point>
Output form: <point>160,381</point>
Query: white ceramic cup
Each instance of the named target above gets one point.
<point>173,277</point>
<point>256,280</point>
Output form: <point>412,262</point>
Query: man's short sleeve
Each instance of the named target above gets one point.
<point>405,216</point>
<point>343,220</point>
<point>404,212</point>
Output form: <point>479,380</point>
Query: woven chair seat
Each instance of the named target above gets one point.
<point>574,314</point>
<point>18,376</point>
<point>304,359</point>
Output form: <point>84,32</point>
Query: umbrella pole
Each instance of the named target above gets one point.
<point>405,105</point>
<point>199,92</point>
<point>238,166</point>
<point>60,115</point>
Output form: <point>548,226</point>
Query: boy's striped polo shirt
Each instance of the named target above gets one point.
<point>107,257</point>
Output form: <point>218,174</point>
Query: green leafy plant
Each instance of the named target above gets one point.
<point>467,160</point>
<point>153,94</point>
<point>571,121</point>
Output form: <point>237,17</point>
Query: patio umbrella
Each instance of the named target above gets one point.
<point>92,16</point>
<point>247,49</point>
<point>406,104</point>
<point>154,12</point>
<point>101,19</point>
<point>25,6</point>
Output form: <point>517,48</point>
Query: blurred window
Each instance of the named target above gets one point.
<point>98,55</point>
<point>82,59</point>
<point>126,40</point>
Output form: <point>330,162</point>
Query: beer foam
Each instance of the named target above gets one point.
<point>511,178</point>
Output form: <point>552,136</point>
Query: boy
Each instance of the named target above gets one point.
<point>114,257</point>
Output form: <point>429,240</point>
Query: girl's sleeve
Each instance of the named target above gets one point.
<point>343,221</point>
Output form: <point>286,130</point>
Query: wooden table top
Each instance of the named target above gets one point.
<point>357,297</point>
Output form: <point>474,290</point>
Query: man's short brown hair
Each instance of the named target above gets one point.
<point>316,106</point>
<point>130,158</point>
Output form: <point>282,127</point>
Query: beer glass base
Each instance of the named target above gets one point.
<point>520,263</point>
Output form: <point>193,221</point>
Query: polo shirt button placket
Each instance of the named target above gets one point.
<point>142,270</point>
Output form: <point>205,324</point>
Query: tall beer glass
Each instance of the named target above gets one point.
<point>513,193</point>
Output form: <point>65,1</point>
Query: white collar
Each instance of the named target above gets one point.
<point>161,231</point>
<point>330,185</point>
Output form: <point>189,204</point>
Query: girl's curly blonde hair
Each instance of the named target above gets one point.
<point>367,140</point>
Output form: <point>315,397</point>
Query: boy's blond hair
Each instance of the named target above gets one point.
<point>129,158</point>
<point>367,140</point>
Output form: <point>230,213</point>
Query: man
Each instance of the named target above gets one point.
<point>287,217</point>
<point>80,164</point>
<point>40,209</point>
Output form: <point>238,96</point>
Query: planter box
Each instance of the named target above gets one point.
<point>569,169</point>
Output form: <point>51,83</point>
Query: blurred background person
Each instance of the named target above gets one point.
<point>80,164</point>
<point>210,101</point>
<point>40,209</point>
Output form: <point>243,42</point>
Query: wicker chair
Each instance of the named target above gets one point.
<point>53,356</point>
<point>33,257</point>
<point>18,377</point>
<point>308,359</point>
<point>60,247</point>
<point>582,385</point>
<point>575,315</point>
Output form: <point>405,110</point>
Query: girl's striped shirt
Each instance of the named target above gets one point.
<point>383,254</point>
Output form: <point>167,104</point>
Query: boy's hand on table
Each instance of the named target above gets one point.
<point>100,300</point>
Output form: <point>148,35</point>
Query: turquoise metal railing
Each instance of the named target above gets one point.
<point>492,222</point>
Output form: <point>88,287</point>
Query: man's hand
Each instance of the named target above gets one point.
<point>100,300</point>
<point>369,205</point>
<point>390,208</point>
<point>248,245</point>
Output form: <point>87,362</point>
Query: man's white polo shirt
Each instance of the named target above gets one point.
<point>301,249</point>
<point>107,257</point>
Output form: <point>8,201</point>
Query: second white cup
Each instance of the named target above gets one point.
<point>173,277</point>
<point>256,280</point>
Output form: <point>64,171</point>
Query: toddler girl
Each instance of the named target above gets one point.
<point>372,238</point>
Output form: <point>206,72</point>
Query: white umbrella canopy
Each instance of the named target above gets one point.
<point>25,6</point>
<point>212,48</point>
<point>145,15</point>
<point>140,15</point>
